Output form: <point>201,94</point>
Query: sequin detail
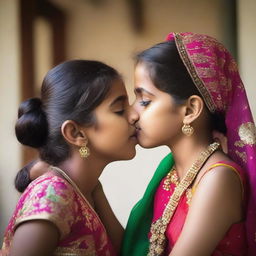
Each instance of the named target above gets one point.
<point>247,133</point>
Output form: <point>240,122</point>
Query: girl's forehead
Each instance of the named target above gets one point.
<point>143,83</point>
<point>141,67</point>
<point>117,86</point>
<point>117,91</point>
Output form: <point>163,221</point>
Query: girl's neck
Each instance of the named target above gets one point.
<point>84,172</point>
<point>186,151</point>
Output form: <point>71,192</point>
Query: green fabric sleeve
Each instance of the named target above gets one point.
<point>136,241</point>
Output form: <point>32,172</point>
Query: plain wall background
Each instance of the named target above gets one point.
<point>10,158</point>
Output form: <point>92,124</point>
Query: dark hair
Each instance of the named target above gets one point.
<point>169,74</point>
<point>70,91</point>
<point>22,178</point>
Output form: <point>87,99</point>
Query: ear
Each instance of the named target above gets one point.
<point>73,133</point>
<point>193,109</point>
<point>222,139</point>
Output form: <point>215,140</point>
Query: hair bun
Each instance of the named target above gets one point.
<point>31,127</point>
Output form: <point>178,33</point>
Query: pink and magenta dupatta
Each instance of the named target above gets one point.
<point>215,74</point>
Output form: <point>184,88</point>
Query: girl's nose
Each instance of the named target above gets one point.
<point>133,115</point>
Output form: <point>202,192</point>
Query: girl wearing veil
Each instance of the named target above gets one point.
<point>201,200</point>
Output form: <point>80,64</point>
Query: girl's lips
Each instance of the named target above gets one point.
<point>137,127</point>
<point>134,134</point>
<point>138,130</point>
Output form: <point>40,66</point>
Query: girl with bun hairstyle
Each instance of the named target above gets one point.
<point>79,125</point>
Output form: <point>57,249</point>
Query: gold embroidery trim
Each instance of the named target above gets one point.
<point>193,74</point>
<point>242,155</point>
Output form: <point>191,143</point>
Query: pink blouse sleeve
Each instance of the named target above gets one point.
<point>49,198</point>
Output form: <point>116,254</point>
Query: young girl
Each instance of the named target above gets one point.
<point>195,203</point>
<point>79,125</point>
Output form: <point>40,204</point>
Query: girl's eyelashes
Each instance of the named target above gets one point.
<point>121,109</point>
<point>145,103</point>
<point>120,112</point>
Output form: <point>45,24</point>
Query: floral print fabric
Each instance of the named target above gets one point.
<point>52,198</point>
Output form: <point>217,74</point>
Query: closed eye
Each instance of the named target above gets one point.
<point>120,113</point>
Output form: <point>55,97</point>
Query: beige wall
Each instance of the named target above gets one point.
<point>246,49</point>
<point>9,97</point>
<point>104,33</point>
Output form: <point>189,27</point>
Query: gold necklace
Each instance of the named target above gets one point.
<point>158,227</point>
<point>171,177</point>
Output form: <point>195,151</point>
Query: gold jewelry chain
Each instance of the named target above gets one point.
<point>158,228</point>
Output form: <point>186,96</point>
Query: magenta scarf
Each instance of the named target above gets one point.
<point>216,76</point>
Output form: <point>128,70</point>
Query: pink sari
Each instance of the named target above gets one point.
<point>216,76</point>
<point>234,241</point>
<point>52,198</point>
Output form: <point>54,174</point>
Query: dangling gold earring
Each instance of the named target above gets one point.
<point>187,129</point>
<point>84,151</point>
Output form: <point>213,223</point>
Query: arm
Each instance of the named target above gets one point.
<point>215,206</point>
<point>35,238</point>
<point>108,218</point>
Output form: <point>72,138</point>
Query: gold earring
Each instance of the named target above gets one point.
<point>187,129</point>
<point>84,151</point>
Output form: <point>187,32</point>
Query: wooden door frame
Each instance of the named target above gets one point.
<point>30,10</point>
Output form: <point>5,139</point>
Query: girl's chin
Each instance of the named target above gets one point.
<point>131,153</point>
<point>145,144</point>
<point>129,157</point>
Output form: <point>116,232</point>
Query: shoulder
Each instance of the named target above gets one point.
<point>49,184</point>
<point>50,198</point>
<point>222,172</point>
<point>217,198</point>
<point>226,175</point>
<point>49,194</point>
<point>220,186</point>
<point>222,180</point>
